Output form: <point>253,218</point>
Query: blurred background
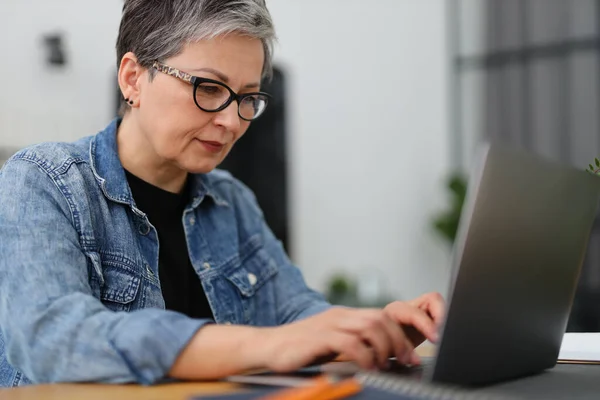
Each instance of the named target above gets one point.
<point>362,160</point>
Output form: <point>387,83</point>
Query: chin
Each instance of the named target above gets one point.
<point>200,163</point>
<point>204,168</point>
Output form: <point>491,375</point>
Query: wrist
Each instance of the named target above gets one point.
<point>257,347</point>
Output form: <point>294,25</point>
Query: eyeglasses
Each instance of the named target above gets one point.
<point>214,96</point>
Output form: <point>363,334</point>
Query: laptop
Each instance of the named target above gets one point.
<point>517,257</point>
<point>519,249</point>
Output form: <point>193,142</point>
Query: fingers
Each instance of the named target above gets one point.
<point>368,326</point>
<point>352,346</point>
<point>402,347</point>
<point>367,337</point>
<point>433,304</point>
<point>384,335</point>
<point>407,314</point>
<point>437,308</point>
<point>376,335</point>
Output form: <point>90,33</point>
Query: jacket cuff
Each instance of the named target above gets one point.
<point>150,356</point>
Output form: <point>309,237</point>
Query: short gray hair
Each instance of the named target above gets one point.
<point>159,29</point>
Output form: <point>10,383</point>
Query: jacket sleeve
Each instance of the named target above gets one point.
<point>294,299</point>
<point>54,329</point>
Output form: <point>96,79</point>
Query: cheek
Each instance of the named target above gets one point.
<point>170,122</point>
<point>178,139</point>
<point>166,101</point>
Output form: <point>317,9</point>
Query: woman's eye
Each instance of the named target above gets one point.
<point>210,89</point>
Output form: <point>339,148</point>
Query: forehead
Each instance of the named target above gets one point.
<point>240,58</point>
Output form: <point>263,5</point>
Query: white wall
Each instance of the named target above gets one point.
<point>369,137</point>
<point>39,103</point>
<point>368,124</point>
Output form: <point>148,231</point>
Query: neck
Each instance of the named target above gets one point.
<point>138,157</point>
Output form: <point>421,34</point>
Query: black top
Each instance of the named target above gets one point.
<point>180,285</point>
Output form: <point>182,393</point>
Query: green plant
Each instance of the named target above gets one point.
<point>447,223</point>
<point>594,170</point>
<point>341,290</point>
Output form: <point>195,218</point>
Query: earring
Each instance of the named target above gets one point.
<point>130,102</point>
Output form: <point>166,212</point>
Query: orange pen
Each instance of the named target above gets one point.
<point>322,389</point>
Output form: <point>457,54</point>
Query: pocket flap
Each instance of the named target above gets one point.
<point>120,286</point>
<point>253,272</point>
<point>114,278</point>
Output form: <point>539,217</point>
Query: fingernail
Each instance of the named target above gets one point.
<point>415,359</point>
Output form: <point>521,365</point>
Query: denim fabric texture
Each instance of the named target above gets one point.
<point>80,297</point>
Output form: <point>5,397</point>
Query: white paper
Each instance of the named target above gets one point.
<point>580,347</point>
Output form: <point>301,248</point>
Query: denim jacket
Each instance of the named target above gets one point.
<point>80,297</point>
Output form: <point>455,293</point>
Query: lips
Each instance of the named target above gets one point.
<point>212,146</point>
<point>212,143</point>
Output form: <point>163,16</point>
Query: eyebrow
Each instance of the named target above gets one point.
<point>224,77</point>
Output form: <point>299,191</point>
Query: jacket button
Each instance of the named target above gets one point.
<point>144,229</point>
<point>206,265</point>
<point>252,279</point>
<point>192,220</point>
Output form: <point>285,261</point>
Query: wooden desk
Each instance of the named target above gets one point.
<point>176,391</point>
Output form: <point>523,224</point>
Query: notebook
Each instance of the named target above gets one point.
<point>580,348</point>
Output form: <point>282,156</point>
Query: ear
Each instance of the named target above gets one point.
<point>130,74</point>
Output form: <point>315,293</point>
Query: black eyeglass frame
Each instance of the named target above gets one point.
<point>196,81</point>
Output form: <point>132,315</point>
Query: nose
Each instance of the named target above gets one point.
<point>229,118</point>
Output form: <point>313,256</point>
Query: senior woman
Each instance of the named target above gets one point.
<point>127,257</point>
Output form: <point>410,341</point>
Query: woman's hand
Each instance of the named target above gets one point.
<point>367,336</point>
<point>420,318</point>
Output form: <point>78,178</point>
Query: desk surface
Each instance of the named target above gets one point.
<point>178,391</point>
<point>563,381</point>
<point>572,382</point>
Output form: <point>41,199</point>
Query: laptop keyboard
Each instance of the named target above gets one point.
<point>398,368</point>
<point>350,368</point>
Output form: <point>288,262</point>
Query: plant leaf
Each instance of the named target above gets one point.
<point>597,162</point>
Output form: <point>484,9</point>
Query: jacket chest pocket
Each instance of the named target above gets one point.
<point>114,281</point>
<point>250,280</point>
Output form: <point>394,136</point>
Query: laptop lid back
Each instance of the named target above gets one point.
<point>520,246</point>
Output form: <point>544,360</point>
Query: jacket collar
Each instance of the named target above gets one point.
<point>109,172</point>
